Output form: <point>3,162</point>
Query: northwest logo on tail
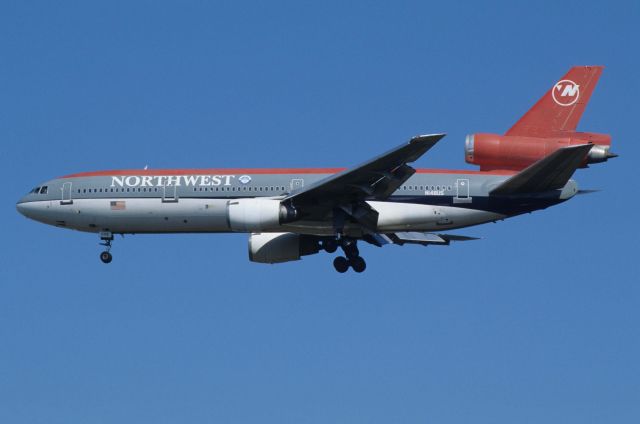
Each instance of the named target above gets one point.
<point>565,92</point>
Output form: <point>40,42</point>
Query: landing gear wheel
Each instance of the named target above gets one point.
<point>358,264</point>
<point>341,264</point>
<point>106,257</point>
<point>330,246</point>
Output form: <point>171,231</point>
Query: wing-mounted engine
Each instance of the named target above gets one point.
<point>271,248</point>
<point>257,214</point>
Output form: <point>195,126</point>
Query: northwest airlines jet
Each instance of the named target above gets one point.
<point>290,213</point>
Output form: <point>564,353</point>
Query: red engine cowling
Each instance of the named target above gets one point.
<point>502,152</point>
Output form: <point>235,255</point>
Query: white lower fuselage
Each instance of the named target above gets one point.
<point>152,215</point>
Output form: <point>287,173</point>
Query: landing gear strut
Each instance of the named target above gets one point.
<point>107,238</point>
<point>352,259</point>
<point>330,245</point>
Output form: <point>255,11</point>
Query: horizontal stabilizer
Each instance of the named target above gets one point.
<point>415,237</point>
<point>549,173</point>
<point>586,191</point>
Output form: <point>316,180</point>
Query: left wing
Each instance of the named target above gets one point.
<point>415,237</point>
<point>375,179</point>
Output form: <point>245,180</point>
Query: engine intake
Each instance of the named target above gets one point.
<point>271,248</point>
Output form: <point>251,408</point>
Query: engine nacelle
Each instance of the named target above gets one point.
<point>493,151</point>
<point>257,214</point>
<point>271,248</point>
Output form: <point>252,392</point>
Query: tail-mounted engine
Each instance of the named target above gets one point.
<point>548,126</point>
<point>493,151</point>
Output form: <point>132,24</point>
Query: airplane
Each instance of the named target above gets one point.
<point>291,213</point>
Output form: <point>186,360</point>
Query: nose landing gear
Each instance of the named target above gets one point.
<point>107,238</point>
<point>106,257</point>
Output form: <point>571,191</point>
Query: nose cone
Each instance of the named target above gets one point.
<point>25,208</point>
<point>20,207</point>
<point>33,210</point>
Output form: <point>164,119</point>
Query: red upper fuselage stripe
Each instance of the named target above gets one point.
<point>235,171</point>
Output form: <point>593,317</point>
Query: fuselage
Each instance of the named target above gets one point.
<point>197,200</point>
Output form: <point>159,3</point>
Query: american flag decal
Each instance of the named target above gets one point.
<point>118,205</point>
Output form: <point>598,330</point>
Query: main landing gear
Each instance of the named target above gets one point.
<point>107,238</point>
<point>352,259</point>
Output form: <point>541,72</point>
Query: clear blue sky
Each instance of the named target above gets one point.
<point>537,322</point>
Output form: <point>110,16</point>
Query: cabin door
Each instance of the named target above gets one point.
<point>66,194</point>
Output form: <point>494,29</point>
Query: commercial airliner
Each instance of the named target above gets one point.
<point>290,213</point>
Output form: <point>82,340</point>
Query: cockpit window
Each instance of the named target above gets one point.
<point>44,189</point>
<point>35,190</point>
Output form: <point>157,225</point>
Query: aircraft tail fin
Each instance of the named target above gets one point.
<point>561,108</point>
<point>549,173</point>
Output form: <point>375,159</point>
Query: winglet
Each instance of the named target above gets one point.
<point>549,173</point>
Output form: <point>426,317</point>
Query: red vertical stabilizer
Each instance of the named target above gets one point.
<point>561,108</point>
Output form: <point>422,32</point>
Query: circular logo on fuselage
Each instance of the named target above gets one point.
<point>565,92</point>
<point>244,179</point>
